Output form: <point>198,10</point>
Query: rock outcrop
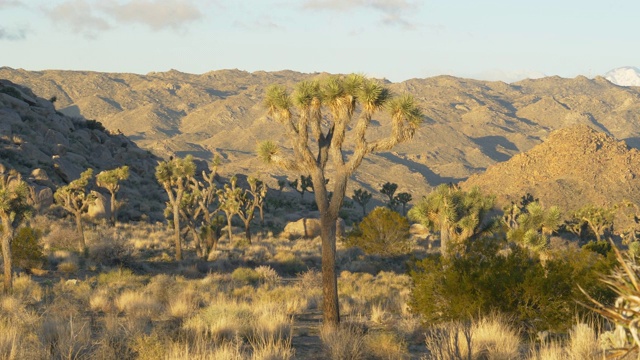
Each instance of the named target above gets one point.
<point>51,149</point>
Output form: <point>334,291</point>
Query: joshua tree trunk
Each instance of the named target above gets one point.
<point>114,209</point>
<point>247,231</point>
<point>176,230</point>
<point>444,238</point>
<point>330,308</point>
<point>6,253</point>
<point>82,245</point>
<point>229,227</point>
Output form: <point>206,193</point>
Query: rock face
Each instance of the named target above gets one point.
<point>576,166</point>
<point>308,228</point>
<point>51,149</point>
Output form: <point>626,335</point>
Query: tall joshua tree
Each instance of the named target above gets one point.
<point>316,118</point>
<point>75,198</point>
<point>110,180</point>
<point>13,209</point>
<point>174,176</point>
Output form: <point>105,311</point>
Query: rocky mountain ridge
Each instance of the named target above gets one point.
<point>471,125</point>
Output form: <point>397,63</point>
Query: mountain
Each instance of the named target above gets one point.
<point>624,76</point>
<point>574,167</point>
<point>50,149</point>
<point>470,125</point>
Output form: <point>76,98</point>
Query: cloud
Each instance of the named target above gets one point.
<point>90,17</point>
<point>157,14</point>
<point>10,3</point>
<point>80,15</point>
<point>394,12</point>
<point>14,35</point>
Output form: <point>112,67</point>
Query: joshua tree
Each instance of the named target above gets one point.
<point>230,202</point>
<point>362,197</point>
<point>403,198</point>
<point>75,198</point>
<point>14,208</point>
<point>458,215</point>
<point>304,185</point>
<point>530,224</point>
<point>258,191</point>
<point>110,180</point>
<point>598,219</point>
<point>389,189</point>
<point>317,130</point>
<point>175,175</point>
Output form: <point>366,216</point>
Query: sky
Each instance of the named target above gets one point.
<point>504,40</point>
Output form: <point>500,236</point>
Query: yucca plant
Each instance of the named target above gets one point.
<point>625,312</point>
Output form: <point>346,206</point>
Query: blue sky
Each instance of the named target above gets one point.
<point>398,39</point>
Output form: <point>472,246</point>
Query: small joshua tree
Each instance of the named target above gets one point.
<point>230,202</point>
<point>76,198</point>
<point>303,185</point>
<point>389,189</point>
<point>403,198</point>
<point>174,176</point>
<point>258,191</point>
<point>597,219</point>
<point>530,225</point>
<point>110,180</point>
<point>362,197</point>
<point>14,207</point>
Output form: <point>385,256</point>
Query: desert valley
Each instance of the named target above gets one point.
<point>480,220</point>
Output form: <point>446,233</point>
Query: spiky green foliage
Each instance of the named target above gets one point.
<point>625,312</point>
<point>231,199</point>
<point>460,216</point>
<point>389,190</point>
<point>174,176</point>
<point>531,225</point>
<point>110,180</point>
<point>382,232</point>
<point>76,198</point>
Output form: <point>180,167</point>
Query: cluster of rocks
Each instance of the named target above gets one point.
<point>51,149</point>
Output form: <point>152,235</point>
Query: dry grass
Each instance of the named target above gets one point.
<point>347,342</point>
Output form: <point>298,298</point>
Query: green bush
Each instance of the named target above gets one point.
<point>515,282</point>
<point>382,232</point>
<point>245,275</point>
<point>26,251</point>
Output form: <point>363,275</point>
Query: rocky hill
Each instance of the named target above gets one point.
<point>624,76</point>
<point>575,166</point>
<point>471,125</point>
<point>51,149</point>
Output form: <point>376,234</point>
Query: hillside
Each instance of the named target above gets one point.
<point>575,166</point>
<point>51,149</point>
<point>471,124</point>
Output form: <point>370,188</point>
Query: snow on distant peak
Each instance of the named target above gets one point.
<point>624,76</point>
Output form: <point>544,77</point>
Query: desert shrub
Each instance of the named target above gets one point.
<point>486,280</point>
<point>111,251</point>
<point>346,342</point>
<point>26,251</point>
<point>382,232</point>
<point>245,275</point>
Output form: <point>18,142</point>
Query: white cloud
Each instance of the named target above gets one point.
<point>90,17</point>
<point>394,12</point>
<point>157,14</point>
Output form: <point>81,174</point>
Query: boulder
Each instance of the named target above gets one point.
<point>308,228</point>
<point>100,208</point>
